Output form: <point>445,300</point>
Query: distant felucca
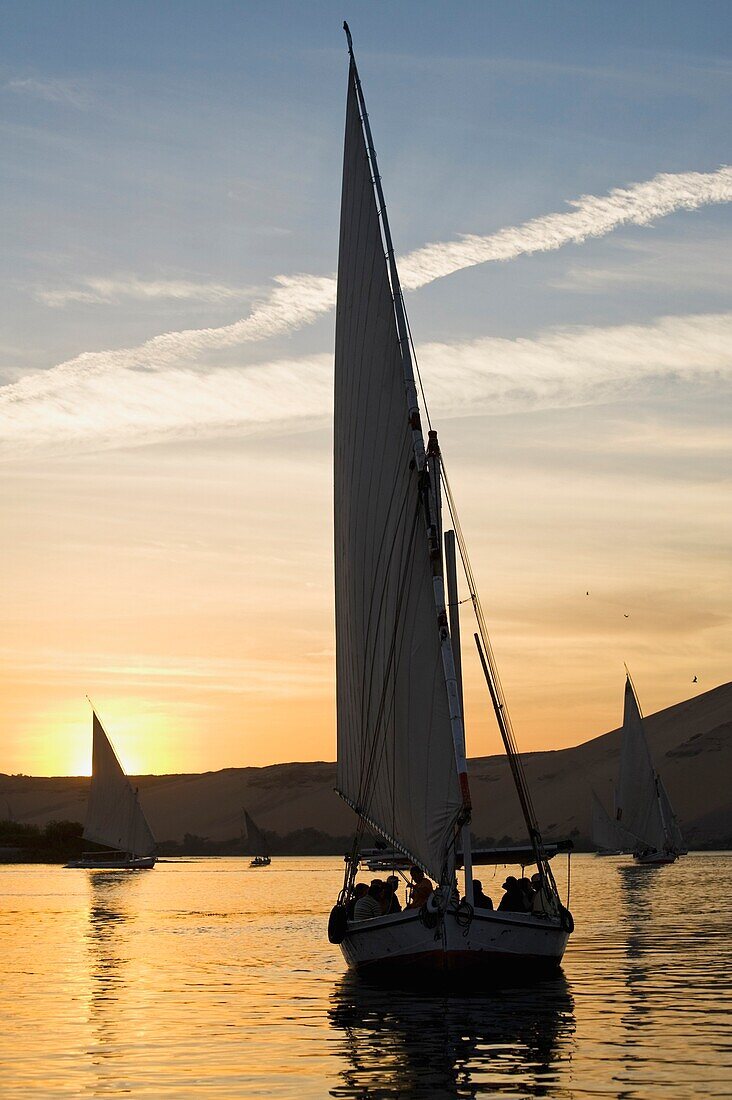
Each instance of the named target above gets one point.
<point>401,746</point>
<point>643,808</point>
<point>607,835</point>
<point>114,816</point>
<point>257,841</point>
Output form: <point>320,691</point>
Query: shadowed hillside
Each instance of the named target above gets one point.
<point>691,743</point>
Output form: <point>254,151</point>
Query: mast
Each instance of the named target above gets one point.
<point>454,602</point>
<point>427,461</point>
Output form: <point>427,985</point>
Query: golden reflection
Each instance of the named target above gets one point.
<point>109,941</point>
<point>399,1044</point>
<point>638,885</point>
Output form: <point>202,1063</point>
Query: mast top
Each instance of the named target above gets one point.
<point>348,37</point>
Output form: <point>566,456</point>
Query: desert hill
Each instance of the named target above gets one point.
<point>691,743</point>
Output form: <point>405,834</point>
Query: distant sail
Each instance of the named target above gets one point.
<point>114,816</point>
<point>638,803</point>
<point>396,756</point>
<point>671,821</point>
<point>255,837</point>
<point>607,835</point>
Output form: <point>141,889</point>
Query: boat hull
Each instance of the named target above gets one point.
<point>138,863</point>
<point>491,944</point>
<point>654,859</point>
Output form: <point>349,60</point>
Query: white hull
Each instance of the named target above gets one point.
<point>491,942</point>
<point>131,863</point>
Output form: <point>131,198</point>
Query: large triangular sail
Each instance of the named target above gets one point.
<point>396,755</point>
<point>114,816</point>
<point>638,806</point>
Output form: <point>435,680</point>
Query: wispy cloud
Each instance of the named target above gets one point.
<point>592,216</point>
<point>65,92</point>
<point>97,291</point>
<point>683,265</point>
<point>559,369</point>
<point>298,300</point>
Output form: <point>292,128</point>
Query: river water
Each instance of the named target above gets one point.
<point>205,978</point>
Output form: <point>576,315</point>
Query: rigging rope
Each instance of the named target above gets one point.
<point>496,688</point>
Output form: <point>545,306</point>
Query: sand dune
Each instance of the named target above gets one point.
<point>691,743</point>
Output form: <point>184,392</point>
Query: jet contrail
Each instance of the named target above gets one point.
<point>593,216</point>
<point>560,368</point>
<point>298,300</point>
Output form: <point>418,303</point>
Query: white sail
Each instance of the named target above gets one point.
<point>638,805</point>
<point>606,833</point>
<point>670,820</point>
<point>114,816</point>
<point>396,762</point>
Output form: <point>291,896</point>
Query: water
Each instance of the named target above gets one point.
<point>205,978</point>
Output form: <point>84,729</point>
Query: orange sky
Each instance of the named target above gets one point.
<point>188,591</point>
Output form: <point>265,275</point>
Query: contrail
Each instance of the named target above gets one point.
<point>298,300</point>
<point>561,368</point>
<point>593,216</point>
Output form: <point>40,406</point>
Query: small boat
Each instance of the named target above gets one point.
<point>401,747</point>
<point>383,859</point>
<point>114,816</point>
<point>643,808</point>
<point>256,840</point>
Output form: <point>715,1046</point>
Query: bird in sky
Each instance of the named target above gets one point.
<point>626,616</point>
<point>695,680</point>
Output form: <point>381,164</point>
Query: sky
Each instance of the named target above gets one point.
<point>559,194</point>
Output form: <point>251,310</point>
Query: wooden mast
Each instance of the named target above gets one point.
<point>454,608</point>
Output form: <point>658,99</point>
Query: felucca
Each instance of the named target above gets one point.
<point>256,840</point>
<point>401,749</point>
<point>643,808</point>
<point>114,816</point>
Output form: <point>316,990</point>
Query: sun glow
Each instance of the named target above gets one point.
<point>60,739</point>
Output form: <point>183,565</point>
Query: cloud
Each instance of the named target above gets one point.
<point>298,300</point>
<point>558,369</point>
<point>592,216</point>
<point>681,265</point>
<point>105,290</point>
<point>52,91</point>
<point>70,398</point>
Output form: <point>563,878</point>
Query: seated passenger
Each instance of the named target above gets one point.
<point>513,901</point>
<point>370,904</point>
<point>390,901</point>
<point>480,900</point>
<point>528,891</point>
<point>421,888</point>
<point>360,890</point>
<point>544,902</point>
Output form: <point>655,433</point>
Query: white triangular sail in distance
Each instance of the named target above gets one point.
<point>638,805</point>
<point>396,758</point>
<point>114,816</point>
